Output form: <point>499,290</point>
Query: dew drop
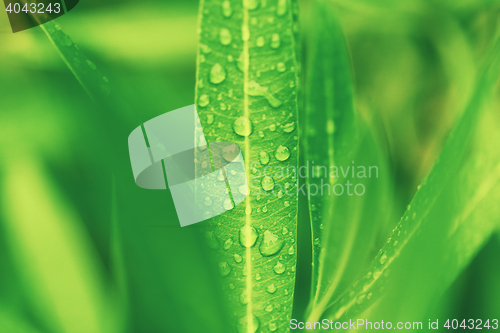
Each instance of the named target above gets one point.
<point>267,183</point>
<point>282,153</point>
<point>248,236</point>
<point>225,36</point>
<point>248,210</point>
<point>255,89</point>
<point>281,67</point>
<point>204,100</point>
<point>264,157</point>
<point>261,134</point>
<point>224,269</point>
<point>251,4</point>
<point>273,327</point>
<point>360,298</point>
<point>282,7</point>
<point>210,119</point>
<point>272,127</point>
<point>288,128</point>
<point>291,250</point>
<point>258,277</point>
<point>228,205</point>
<point>208,201</point>
<point>383,258</point>
<point>275,41</point>
<point>243,126</point>
<point>237,258</point>
<point>217,74</point>
<point>260,41</point>
<point>243,189</point>
<point>376,274</point>
<point>271,288</point>
<point>66,40</point>
<point>269,308</point>
<point>212,240</point>
<point>246,326</point>
<point>264,209</point>
<point>244,298</point>
<point>226,8</point>
<point>369,295</point>
<point>227,244</point>
<point>271,244</point>
<point>279,268</point>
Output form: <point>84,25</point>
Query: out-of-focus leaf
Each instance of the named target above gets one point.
<point>52,252</point>
<point>85,71</point>
<point>349,196</point>
<point>451,216</point>
<point>247,94</point>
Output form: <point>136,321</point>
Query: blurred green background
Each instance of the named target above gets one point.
<point>82,249</point>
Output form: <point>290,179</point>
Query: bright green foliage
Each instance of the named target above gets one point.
<point>452,215</point>
<point>348,213</point>
<point>85,71</point>
<point>246,93</point>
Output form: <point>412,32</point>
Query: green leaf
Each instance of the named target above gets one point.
<point>54,255</point>
<point>348,181</point>
<point>247,94</point>
<point>452,215</point>
<point>92,80</point>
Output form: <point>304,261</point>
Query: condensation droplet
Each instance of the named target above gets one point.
<point>248,236</point>
<point>225,36</point>
<point>210,119</point>
<point>247,326</point>
<point>275,41</point>
<point>279,268</point>
<point>243,126</point>
<point>224,269</point>
<point>282,153</point>
<point>204,100</point>
<point>226,8</point>
<point>281,8</point>
<point>383,258</point>
<point>288,128</point>
<point>228,205</point>
<point>227,244</point>
<point>271,288</point>
<point>264,157</point>
<point>217,74</point>
<point>260,41</point>
<point>267,183</point>
<point>271,244</point>
<point>212,240</point>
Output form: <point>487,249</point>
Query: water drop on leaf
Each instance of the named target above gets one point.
<point>225,36</point>
<point>282,153</point>
<point>204,100</point>
<point>248,236</point>
<point>243,126</point>
<point>264,157</point>
<point>271,288</point>
<point>224,269</point>
<point>267,183</point>
<point>271,244</point>
<point>217,74</point>
<point>279,268</point>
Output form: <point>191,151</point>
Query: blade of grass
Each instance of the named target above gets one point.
<point>345,227</point>
<point>52,252</point>
<point>453,213</point>
<point>246,94</point>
